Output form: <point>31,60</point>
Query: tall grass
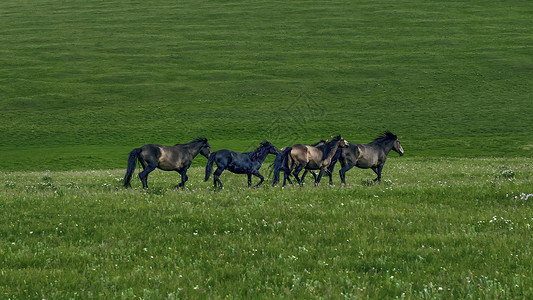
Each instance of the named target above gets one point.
<point>434,228</point>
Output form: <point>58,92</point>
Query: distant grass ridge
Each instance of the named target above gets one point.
<point>84,82</point>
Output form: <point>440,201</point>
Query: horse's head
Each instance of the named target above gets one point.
<point>340,141</point>
<point>397,146</point>
<point>206,149</point>
<point>344,143</point>
<point>271,149</point>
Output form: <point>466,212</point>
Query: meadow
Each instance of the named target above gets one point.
<point>434,229</point>
<point>82,83</point>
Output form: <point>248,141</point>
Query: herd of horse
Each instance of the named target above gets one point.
<point>321,157</point>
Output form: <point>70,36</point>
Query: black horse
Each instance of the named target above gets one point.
<point>365,156</point>
<point>168,158</point>
<point>239,163</point>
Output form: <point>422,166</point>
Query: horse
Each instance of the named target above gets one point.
<point>240,163</point>
<point>167,158</point>
<point>299,157</point>
<point>372,155</point>
<point>318,144</point>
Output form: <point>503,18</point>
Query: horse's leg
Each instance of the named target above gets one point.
<point>144,175</point>
<point>288,178</point>
<point>304,174</point>
<point>330,173</point>
<point>317,180</point>
<point>378,170</point>
<point>342,173</point>
<point>256,173</point>
<point>296,172</point>
<point>249,179</point>
<point>184,178</point>
<point>216,179</point>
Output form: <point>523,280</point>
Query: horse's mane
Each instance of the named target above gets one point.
<point>196,140</point>
<point>258,151</point>
<point>387,136</point>
<point>319,142</point>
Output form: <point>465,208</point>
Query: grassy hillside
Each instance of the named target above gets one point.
<point>84,82</point>
<point>438,229</point>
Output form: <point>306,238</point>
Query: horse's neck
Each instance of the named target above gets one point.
<point>193,149</point>
<point>260,154</point>
<point>331,152</point>
<point>387,147</point>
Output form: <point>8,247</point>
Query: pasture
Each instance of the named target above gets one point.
<point>435,228</point>
<point>82,83</point>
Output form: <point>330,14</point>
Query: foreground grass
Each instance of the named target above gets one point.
<point>433,229</point>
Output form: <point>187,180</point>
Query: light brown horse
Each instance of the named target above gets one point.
<point>168,158</point>
<point>300,157</point>
<point>289,162</point>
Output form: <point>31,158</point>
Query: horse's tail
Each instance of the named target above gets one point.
<point>209,166</point>
<point>134,155</point>
<point>280,163</point>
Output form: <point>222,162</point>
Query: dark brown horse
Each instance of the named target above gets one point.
<point>368,156</point>
<point>168,158</point>
<point>306,157</point>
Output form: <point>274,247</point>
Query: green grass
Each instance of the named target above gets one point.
<point>435,228</point>
<point>84,82</point>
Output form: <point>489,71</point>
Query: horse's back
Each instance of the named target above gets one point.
<point>235,162</point>
<point>164,157</point>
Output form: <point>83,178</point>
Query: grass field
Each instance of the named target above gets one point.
<point>82,83</point>
<point>435,228</point>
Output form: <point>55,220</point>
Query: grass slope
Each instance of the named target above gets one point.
<point>434,229</point>
<point>84,82</point>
